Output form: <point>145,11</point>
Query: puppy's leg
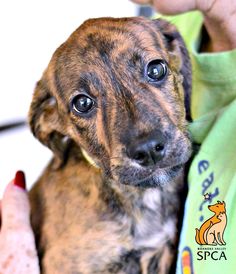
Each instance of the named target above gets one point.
<point>154,262</point>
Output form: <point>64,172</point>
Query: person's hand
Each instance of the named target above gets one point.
<point>169,7</point>
<point>18,253</point>
<point>219,18</point>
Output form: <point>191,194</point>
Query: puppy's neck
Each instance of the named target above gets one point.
<point>147,210</point>
<point>136,200</point>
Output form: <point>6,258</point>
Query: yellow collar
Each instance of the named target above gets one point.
<point>89,159</point>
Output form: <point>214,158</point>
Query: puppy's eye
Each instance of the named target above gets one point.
<point>82,103</point>
<point>156,70</point>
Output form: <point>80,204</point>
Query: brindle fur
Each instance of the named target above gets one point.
<point>120,218</point>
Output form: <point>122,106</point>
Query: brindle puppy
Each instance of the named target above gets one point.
<point>117,89</point>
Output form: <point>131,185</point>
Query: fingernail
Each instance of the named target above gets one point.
<point>20,179</point>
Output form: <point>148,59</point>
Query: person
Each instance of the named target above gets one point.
<point>18,253</point>
<point>209,30</point>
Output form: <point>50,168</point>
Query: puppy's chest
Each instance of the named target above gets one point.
<point>113,245</point>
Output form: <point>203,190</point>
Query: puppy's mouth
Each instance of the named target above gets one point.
<point>160,177</point>
<point>149,178</point>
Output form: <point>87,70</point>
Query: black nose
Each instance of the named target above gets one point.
<point>147,151</point>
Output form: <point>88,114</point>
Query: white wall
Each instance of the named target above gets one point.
<point>30,31</point>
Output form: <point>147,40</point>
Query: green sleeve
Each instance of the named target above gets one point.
<point>214,77</point>
<point>212,174</point>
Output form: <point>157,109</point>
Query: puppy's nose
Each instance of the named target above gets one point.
<point>147,151</point>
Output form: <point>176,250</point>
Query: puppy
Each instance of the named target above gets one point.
<point>113,106</point>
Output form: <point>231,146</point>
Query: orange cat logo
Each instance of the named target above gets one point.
<point>212,230</point>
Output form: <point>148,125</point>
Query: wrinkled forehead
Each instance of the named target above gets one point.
<point>121,33</point>
<point>111,37</point>
<point>99,43</point>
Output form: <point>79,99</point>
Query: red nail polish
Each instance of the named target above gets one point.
<point>20,179</point>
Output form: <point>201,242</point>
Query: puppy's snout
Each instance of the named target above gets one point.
<point>147,151</point>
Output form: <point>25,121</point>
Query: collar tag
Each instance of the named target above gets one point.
<point>88,158</point>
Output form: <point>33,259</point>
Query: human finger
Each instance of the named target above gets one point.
<point>15,209</point>
<point>169,7</point>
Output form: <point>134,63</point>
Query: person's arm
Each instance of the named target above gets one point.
<point>219,19</point>
<point>18,253</point>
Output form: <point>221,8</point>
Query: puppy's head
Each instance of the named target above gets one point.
<point>120,89</point>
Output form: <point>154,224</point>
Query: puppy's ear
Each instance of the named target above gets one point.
<point>176,46</point>
<point>46,123</point>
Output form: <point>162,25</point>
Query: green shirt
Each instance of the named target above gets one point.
<point>212,175</point>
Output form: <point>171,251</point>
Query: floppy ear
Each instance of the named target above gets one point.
<point>176,46</point>
<point>46,123</point>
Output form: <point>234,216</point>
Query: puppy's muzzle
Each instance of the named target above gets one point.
<point>148,150</point>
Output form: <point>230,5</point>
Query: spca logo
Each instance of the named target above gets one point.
<point>211,234</point>
<point>212,230</point>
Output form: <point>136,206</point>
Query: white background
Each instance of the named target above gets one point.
<point>30,31</point>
